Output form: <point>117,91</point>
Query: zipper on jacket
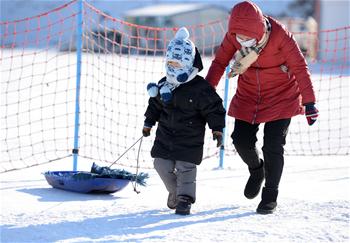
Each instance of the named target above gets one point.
<point>172,123</point>
<point>172,114</point>
<point>259,94</point>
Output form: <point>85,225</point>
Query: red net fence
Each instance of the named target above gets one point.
<point>118,60</point>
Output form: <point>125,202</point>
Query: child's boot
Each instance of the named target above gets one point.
<point>183,206</point>
<point>171,203</point>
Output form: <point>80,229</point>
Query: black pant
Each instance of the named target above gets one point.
<point>275,132</point>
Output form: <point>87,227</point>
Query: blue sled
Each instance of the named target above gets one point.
<point>68,180</point>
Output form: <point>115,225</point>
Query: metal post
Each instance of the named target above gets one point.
<point>222,148</point>
<point>79,36</point>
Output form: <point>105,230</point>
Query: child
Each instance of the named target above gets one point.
<point>182,103</point>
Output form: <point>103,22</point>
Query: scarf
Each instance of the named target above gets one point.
<point>246,56</point>
<point>172,83</point>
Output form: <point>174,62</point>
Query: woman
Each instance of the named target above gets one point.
<point>273,86</point>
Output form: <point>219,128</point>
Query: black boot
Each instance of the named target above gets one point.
<point>171,203</point>
<point>253,185</point>
<point>268,202</point>
<point>183,206</point>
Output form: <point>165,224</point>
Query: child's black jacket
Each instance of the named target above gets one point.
<point>181,122</point>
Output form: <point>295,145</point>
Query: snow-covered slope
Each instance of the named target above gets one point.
<point>313,207</point>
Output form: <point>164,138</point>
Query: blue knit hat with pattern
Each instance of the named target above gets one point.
<point>182,50</point>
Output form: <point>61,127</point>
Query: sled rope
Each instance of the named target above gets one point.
<point>137,161</point>
<point>125,152</point>
<point>137,166</point>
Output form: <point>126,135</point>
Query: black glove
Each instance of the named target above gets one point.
<point>218,137</point>
<point>146,131</point>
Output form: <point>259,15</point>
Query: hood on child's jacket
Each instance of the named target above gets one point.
<point>197,63</point>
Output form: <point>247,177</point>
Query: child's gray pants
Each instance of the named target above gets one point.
<point>178,176</point>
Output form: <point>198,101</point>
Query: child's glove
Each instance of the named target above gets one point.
<point>311,113</point>
<point>218,137</point>
<point>146,131</point>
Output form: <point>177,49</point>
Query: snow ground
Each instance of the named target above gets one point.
<point>313,207</point>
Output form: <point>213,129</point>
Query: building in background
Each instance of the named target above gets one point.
<point>175,15</point>
<point>193,15</point>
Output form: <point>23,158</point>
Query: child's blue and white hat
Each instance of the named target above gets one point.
<point>182,50</point>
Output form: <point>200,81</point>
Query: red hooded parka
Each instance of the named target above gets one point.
<point>265,91</point>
